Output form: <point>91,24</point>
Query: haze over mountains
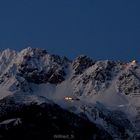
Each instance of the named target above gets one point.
<point>104,94</point>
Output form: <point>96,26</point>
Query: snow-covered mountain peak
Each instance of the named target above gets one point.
<point>81,63</point>
<point>34,52</point>
<point>7,56</point>
<point>31,65</point>
<point>7,52</point>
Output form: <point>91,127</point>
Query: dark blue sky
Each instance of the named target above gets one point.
<point>102,29</point>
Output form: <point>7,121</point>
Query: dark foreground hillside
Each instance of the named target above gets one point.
<point>45,122</point>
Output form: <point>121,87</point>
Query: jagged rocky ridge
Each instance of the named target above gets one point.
<point>85,79</point>
<point>34,65</point>
<point>37,66</point>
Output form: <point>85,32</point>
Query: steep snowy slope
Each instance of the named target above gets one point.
<point>75,85</point>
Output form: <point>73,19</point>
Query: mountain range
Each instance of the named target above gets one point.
<point>67,99</point>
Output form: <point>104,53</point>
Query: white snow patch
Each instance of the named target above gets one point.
<point>4,93</point>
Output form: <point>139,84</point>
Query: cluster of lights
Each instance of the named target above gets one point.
<point>68,98</point>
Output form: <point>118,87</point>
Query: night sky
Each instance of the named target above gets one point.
<point>102,29</point>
